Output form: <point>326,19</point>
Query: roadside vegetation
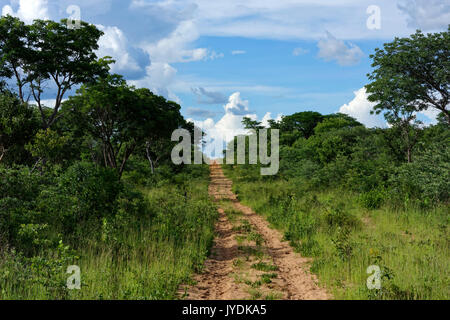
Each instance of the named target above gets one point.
<point>88,181</point>
<point>352,197</point>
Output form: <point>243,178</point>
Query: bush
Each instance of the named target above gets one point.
<point>373,199</point>
<point>338,217</point>
<point>427,177</point>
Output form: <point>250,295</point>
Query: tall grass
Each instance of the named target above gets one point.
<point>409,244</point>
<point>132,257</point>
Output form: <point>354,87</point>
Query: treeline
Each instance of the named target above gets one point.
<point>81,178</point>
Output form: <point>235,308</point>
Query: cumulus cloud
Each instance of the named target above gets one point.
<point>158,77</point>
<point>115,44</point>
<point>175,47</point>
<point>236,52</point>
<point>28,10</point>
<point>360,108</point>
<point>267,117</point>
<point>230,125</point>
<point>426,14</point>
<point>299,51</point>
<point>209,97</point>
<point>236,105</point>
<point>334,49</point>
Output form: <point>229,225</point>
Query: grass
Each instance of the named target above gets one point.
<point>143,257</point>
<point>262,266</point>
<point>409,244</point>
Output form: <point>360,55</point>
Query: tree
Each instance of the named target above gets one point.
<point>305,122</point>
<point>251,124</point>
<point>167,118</point>
<point>49,52</point>
<point>121,117</point>
<point>15,52</point>
<point>47,145</point>
<point>411,74</point>
<point>336,121</point>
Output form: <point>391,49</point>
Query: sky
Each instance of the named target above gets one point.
<point>222,60</point>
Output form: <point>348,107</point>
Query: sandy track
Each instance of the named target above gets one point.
<point>218,280</point>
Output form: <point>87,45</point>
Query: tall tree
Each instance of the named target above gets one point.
<point>48,54</point>
<point>15,52</point>
<point>167,118</point>
<point>121,117</point>
<point>411,74</point>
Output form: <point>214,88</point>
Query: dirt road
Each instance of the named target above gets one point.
<point>249,260</point>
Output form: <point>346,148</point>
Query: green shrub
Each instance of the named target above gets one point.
<point>373,199</point>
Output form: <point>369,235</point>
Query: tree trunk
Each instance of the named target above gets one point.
<point>2,152</point>
<point>147,150</point>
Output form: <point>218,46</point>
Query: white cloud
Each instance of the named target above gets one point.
<point>431,114</point>
<point>50,103</point>
<point>28,10</point>
<point>299,51</point>
<point>334,49</point>
<point>175,48</point>
<point>114,43</point>
<point>267,117</point>
<point>236,52</point>
<point>236,105</point>
<point>426,14</point>
<point>360,108</point>
<point>214,55</point>
<point>230,125</point>
<point>297,19</point>
<point>158,77</point>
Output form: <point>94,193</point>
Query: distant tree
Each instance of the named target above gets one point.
<point>167,118</point>
<point>305,122</point>
<point>411,74</point>
<point>49,52</point>
<point>251,124</point>
<point>336,121</point>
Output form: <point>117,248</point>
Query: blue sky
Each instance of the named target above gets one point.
<point>224,59</point>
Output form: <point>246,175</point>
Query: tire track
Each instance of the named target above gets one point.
<point>294,281</point>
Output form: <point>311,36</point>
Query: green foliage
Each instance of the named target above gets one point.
<point>47,51</point>
<point>428,177</point>
<point>373,199</point>
<point>303,122</point>
<point>411,74</point>
<point>18,124</point>
<point>121,118</point>
<point>47,145</point>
